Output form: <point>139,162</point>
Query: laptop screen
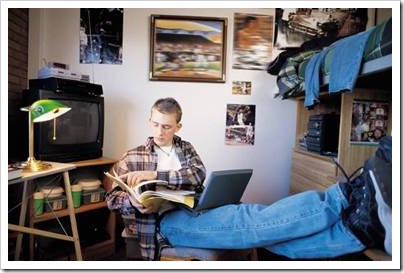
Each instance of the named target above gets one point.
<point>224,187</point>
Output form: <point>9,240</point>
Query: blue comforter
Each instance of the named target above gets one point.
<point>344,70</point>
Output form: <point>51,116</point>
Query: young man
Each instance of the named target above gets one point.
<point>343,219</point>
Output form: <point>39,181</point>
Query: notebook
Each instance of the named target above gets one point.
<point>222,188</point>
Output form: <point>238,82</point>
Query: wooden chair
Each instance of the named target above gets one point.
<point>184,253</point>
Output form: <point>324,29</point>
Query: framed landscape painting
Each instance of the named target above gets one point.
<point>188,48</point>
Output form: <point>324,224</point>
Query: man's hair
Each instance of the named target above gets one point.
<point>168,106</point>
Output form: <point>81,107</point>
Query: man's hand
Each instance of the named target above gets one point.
<point>133,178</point>
<point>141,208</point>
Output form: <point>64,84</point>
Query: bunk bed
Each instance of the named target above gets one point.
<point>337,66</point>
<point>322,72</point>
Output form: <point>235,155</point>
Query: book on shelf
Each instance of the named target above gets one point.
<point>154,197</point>
<point>14,172</point>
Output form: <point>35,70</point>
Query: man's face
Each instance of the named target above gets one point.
<point>164,127</point>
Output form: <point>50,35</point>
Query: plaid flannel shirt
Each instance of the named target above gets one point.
<point>144,158</point>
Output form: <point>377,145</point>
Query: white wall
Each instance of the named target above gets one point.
<point>129,94</point>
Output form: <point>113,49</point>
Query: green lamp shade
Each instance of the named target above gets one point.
<point>43,110</point>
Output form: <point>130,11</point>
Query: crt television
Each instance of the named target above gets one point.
<point>79,133</point>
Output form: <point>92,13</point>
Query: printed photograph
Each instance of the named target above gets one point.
<point>101,36</point>
<point>369,121</point>
<point>240,124</point>
<point>241,88</point>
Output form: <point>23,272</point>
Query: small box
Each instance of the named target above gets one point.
<point>93,196</point>
<point>55,203</point>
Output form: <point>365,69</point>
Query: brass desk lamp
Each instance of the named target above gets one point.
<point>40,111</point>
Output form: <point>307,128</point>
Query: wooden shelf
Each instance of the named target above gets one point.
<point>311,170</point>
<point>312,154</point>
<point>94,162</point>
<point>100,250</point>
<point>349,156</point>
<point>64,212</point>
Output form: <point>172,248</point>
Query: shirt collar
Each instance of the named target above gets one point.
<point>150,143</point>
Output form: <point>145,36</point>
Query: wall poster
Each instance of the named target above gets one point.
<point>240,124</point>
<point>369,121</point>
<point>252,46</point>
<point>101,36</point>
<point>294,26</point>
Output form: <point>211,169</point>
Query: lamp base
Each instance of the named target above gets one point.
<point>33,165</point>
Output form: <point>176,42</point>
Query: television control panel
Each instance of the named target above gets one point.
<point>66,85</point>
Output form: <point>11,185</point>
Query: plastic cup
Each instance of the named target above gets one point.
<point>38,203</point>
<point>77,191</point>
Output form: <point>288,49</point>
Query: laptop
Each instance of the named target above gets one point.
<point>222,188</point>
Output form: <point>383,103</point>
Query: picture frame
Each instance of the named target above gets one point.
<point>188,48</point>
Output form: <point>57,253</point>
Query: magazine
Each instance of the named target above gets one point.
<point>155,198</point>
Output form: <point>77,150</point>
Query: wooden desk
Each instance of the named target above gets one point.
<point>27,193</point>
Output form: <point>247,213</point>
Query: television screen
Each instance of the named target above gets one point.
<point>79,125</point>
<point>76,135</point>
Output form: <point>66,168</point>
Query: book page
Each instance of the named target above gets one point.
<point>122,185</point>
<point>155,198</point>
<point>178,196</point>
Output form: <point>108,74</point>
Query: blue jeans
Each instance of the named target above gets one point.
<point>306,226</point>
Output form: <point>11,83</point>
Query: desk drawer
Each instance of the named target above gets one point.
<point>310,172</point>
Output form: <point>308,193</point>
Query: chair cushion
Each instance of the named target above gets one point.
<point>189,253</point>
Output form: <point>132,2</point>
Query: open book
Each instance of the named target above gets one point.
<point>155,198</point>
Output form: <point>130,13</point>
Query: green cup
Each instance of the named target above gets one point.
<point>38,203</point>
<point>77,191</point>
